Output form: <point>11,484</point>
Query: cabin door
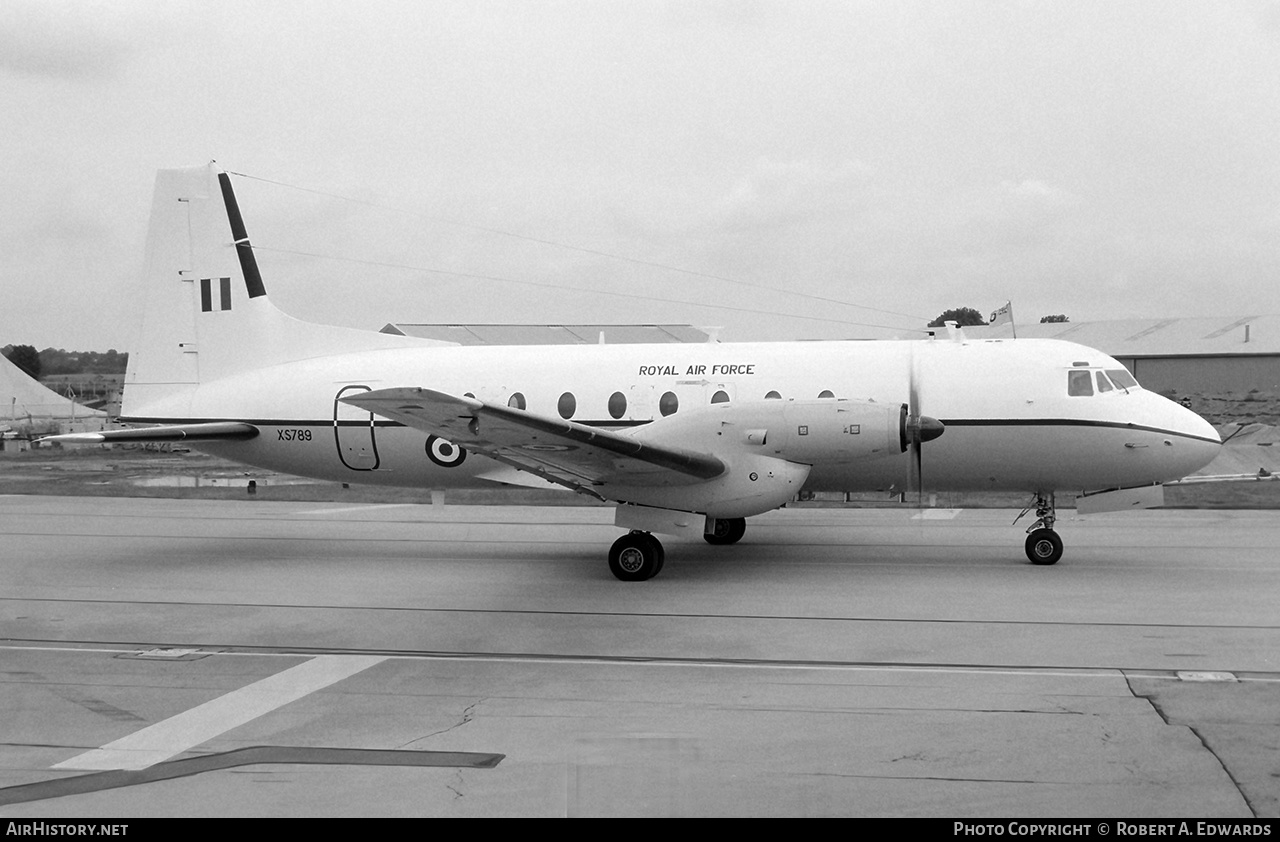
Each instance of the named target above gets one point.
<point>353,431</point>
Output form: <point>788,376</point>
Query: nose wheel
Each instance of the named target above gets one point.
<point>636,556</point>
<point>1043,544</point>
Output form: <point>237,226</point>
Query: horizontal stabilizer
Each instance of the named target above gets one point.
<point>559,451</point>
<point>211,431</point>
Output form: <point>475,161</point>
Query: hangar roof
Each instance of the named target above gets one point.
<point>1202,336</point>
<point>551,334</point>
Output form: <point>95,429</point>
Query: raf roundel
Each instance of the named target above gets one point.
<point>444,453</point>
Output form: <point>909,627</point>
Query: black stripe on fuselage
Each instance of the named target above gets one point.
<point>1068,422</point>
<point>953,422</point>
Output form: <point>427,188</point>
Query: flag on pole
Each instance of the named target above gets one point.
<point>1004,315</point>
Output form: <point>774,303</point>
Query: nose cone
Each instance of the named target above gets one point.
<point>1197,444</point>
<point>930,428</point>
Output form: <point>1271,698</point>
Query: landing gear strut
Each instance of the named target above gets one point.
<point>1043,544</point>
<point>636,556</point>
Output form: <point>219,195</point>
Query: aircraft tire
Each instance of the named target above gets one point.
<point>1044,547</point>
<point>636,557</point>
<point>729,530</point>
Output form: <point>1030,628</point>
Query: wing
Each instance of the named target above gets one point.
<point>210,431</point>
<point>559,451</point>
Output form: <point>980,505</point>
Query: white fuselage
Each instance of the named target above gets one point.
<point>1010,422</point>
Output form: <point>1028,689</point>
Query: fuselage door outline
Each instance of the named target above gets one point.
<point>354,433</point>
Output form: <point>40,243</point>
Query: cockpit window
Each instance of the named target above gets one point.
<point>1122,378</point>
<point>1079,383</point>
<point>1104,385</point>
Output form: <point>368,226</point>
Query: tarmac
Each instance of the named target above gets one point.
<point>167,657</point>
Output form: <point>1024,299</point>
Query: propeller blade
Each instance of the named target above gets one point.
<point>917,459</point>
<point>917,472</point>
<point>918,429</point>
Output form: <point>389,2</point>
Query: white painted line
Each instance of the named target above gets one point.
<point>168,653</point>
<point>1189,675</point>
<point>369,508</point>
<point>166,739</point>
<point>937,514</point>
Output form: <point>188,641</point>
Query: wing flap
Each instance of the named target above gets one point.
<point>209,431</point>
<point>561,451</point>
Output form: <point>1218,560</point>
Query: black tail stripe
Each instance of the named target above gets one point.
<point>248,264</point>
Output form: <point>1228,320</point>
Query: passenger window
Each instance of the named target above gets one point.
<point>516,401</point>
<point>568,405</point>
<point>773,396</point>
<point>1104,385</point>
<point>1079,383</point>
<point>668,404</point>
<point>617,404</point>
<point>1122,378</point>
<point>826,393</point>
<point>720,396</point>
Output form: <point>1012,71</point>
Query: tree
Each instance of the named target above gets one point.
<point>1057,318</point>
<point>61,361</point>
<point>963,316</point>
<point>27,358</point>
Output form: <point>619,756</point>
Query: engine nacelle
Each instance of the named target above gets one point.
<point>753,483</point>
<point>807,431</point>
<point>768,448</point>
<point>836,431</point>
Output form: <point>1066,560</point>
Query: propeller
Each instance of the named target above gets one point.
<point>916,429</point>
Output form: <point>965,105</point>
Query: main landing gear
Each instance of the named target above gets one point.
<point>1043,544</point>
<point>638,555</point>
<point>727,530</point>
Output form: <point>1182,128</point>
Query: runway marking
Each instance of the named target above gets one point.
<point>163,740</point>
<point>357,509</point>
<point>704,663</point>
<point>238,758</point>
<point>937,514</point>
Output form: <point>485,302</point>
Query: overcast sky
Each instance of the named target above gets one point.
<point>808,165</point>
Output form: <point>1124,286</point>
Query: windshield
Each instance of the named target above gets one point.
<point>1122,378</point>
<point>1084,382</point>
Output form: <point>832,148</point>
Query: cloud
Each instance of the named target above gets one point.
<point>782,193</point>
<point>1008,212</point>
<point>1268,17</point>
<point>63,40</point>
<point>1034,191</point>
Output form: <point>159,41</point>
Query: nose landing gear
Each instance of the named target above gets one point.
<point>1043,544</point>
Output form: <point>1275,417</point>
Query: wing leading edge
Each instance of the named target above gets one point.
<point>563,452</point>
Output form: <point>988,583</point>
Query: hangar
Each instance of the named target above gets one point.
<point>1205,355</point>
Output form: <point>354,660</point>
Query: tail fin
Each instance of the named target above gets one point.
<point>206,313</point>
